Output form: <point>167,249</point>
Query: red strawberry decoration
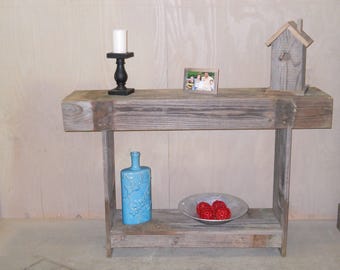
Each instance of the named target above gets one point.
<point>206,214</point>
<point>218,204</point>
<point>222,213</point>
<point>203,206</point>
<point>218,210</point>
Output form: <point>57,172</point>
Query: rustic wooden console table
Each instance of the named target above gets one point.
<point>174,110</point>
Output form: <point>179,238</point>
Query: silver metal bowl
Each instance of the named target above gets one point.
<point>237,206</point>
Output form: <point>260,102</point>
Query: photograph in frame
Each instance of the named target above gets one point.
<point>201,80</point>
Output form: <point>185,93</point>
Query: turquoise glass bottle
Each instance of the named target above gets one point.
<point>136,192</point>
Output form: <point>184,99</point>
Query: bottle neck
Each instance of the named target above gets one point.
<point>135,163</point>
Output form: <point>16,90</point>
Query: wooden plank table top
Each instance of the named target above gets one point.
<point>172,109</point>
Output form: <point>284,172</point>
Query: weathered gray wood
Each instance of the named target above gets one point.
<point>251,108</point>
<point>283,142</point>
<point>169,228</point>
<point>296,30</point>
<point>109,185</point>
<point>172,109</point>
<point>288,58</point>
<point>288,63</point>
<point>313,111</point>
<point>338,220</point>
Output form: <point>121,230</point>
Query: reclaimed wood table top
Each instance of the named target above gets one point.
<point>173,109</point>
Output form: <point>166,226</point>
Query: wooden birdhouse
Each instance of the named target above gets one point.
<point>288,58</point>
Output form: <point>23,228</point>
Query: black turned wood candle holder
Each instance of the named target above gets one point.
<point>120,74</point>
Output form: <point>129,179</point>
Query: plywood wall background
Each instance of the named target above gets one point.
<point>50,48</point>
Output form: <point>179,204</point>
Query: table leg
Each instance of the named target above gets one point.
<point>109,185</point>
<point>283,143</point>
<point>338,222</point>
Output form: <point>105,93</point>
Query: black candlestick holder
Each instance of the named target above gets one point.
<point>120,74</point>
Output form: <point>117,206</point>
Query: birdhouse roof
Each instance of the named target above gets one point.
<point>293,28</point>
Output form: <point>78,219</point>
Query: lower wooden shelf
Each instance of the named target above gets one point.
<point>169,228</point>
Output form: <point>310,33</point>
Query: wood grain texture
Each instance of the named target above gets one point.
<point>282,160</point>
<point>175,110</point>
<point>153,109</point>
<point>215,161</point>
<point>338,218</point>
<point>288,63</point>
<point>79,34</point>
<point>109,185</point>
<point>296,29</point>
<point>169,228</point>
<point>191,37</point>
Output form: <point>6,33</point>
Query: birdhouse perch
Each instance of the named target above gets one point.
<point>288,58</point>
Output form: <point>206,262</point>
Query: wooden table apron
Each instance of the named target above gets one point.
<point>172,109</point>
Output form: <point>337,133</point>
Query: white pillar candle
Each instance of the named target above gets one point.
<point>120,41</point>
